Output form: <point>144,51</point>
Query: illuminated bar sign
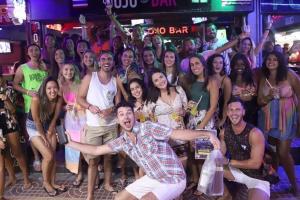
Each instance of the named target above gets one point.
<point>170,30</point>
<point>167,6</point>
<point>280,6</point>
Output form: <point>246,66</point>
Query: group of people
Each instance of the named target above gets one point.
<point>146,99</point>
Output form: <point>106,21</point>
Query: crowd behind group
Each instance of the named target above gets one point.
<point>77,85</point>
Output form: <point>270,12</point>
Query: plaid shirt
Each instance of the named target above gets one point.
<point>152,152</point>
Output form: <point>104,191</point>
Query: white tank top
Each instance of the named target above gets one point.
<point>101,95</point>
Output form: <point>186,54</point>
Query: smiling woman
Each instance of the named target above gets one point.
<point>41,127</point>
<point>243,86</point>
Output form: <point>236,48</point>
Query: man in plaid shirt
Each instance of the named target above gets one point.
<point>147,144</point>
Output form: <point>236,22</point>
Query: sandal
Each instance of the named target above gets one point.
<point>77,183</point>
<point>61,189</point>
<point>51,194</point>
<point>37,165</point>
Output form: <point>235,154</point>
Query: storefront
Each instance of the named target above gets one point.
<point>165,16</point>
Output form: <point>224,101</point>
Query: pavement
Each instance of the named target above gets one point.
<point>16,192</point>
<point>278,191</point>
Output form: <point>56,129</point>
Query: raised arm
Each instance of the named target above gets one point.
<point>117,24</point>
<point>260,45</point>
<point>257,142</point>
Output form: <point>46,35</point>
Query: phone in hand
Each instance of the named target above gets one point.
<point>61,135</point>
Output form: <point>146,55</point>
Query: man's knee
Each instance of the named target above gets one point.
<point>149,196</point>
<point>124,195</point>
<point>255,194</point>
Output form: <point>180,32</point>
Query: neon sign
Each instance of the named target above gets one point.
<point>170,30</point>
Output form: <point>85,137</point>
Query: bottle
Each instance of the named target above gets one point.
<point>217,186</point>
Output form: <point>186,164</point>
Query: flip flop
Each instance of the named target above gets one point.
<point>77,183</point>
<point>51,194</point>
<point>61,189</point>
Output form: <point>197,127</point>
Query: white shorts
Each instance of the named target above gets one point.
<point>251,183</point>
<point>162,191</point>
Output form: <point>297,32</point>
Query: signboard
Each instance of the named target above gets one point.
<point>166,6</point>
<point>280,6</point>
<point>170,30</point>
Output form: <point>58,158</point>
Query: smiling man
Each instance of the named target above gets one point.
<point>147,144</point>
<point>98,93</point>
<point>245,145</point>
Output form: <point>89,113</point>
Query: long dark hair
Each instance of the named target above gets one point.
<point>44,101</point>
<point>156,64</point>
<point>247,75</point>
<point>67,52</point>
<point>154,92</point>
<point>132,99</point>
<point>175,71</point>
<point>210,67</point>
<point>191,78</point>
<point>282,69</point>
<point>54,70</point>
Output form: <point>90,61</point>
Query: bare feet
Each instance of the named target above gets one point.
<point>11,183</point>
<point>109,188</point>
<point>90,198</point>
<point>27,185</point>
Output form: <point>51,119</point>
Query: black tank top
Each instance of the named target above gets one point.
<point>45,124</point>
<point>239,148</point>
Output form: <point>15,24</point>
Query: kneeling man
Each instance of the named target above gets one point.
<point>147,144</point>
<point>245,145</point>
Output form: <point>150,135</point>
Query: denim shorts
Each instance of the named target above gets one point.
<point>31,129</point>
